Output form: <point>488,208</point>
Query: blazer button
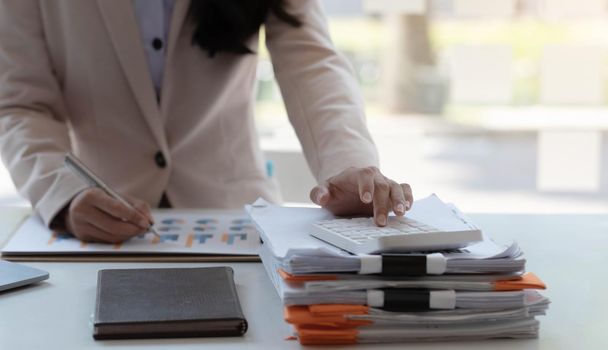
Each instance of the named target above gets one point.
<point>160,160</point>
<point>157,44</point>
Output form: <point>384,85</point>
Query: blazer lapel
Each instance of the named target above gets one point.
<point>180,10</point>
<point>120,20</point>
<point>178,17</point>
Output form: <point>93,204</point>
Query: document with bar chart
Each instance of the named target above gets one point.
<point>183,232</point>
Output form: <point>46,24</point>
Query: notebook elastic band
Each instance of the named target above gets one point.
<point>404,265</point>
<point>406,299</point>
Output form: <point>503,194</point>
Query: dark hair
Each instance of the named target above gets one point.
<point>226,25</point>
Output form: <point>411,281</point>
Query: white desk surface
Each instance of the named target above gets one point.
<point>569,252</point>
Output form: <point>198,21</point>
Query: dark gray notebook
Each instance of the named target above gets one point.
<point>164,303</point>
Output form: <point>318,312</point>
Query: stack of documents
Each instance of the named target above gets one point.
<point>478,292</point>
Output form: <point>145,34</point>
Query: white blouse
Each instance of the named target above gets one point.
<point>154,19</point>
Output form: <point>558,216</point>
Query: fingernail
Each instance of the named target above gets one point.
<point>321,198</point>
<point>400,208</point>
<point>408,205</point>
<point>143,223</point>
<point>367,197</point>
<point>382,219</point>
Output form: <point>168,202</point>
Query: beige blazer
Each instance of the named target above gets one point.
<point>73,76</point>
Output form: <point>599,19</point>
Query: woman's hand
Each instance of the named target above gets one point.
<point>363,191</point>
<point>94,216</point>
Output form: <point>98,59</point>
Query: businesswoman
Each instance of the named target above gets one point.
<point>156,96</point>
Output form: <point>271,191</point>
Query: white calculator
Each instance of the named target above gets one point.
<point>401,234</point>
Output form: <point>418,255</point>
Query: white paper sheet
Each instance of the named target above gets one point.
<point>486,249</point>
<point>332,286</point>
<point>440,317</point>
<point>181,232</point>
<point>284,228</point>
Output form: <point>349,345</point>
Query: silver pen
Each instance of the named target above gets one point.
<point>87,175</point>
